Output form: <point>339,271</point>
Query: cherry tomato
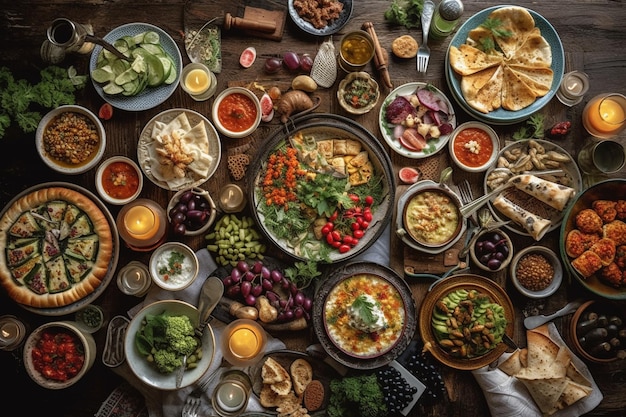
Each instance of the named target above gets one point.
<point>365,224</point>
<point>354,198</point>
<point>326,230</point>
<point>369,200</point>
<point>367,216</point>
<point>336,236</point>
<point>347,239</point>
<point>344,248</point>
<point>334,216</point>
<point>329,239</point>
<point>336,244</point>
<point>355,226</point>
<point>358,233</point>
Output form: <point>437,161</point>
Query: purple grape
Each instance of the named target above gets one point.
<point>257,267</point>
<point>233,291</point>
<point>228,281</point>
<point>306,62</point>
<point>186,196</point>
<point>267,284</point>
<point>291,60</point>
<point>265,272</point>
<point>307,304</point>
<point>276,275</point>
<point>494,264</point>
<point>257,290</point>
<point>246,287</point>
<point>243,266</point>
<point>273,65</point>
<point>298,299</point>
<point>250,300</point>
<point>249,276</point>
<point>235,275</point>
<point>298,312</point>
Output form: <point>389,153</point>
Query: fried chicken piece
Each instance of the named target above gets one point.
<point>588,221</point>
<point>587,264</point>
<point>605,209</point>
<point>576,242</point>
<point>605,248</point>
<point>620,256</point>
<point>620,209</point>
<point>612,275</point>
<point>616,231</point>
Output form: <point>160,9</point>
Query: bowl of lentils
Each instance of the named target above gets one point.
<point>70,139</point>
<point>536,272</point>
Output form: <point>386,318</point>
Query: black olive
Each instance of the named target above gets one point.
<point>603,320</point>
<point>593,336</point>
<point>584,326</point>
<point>616,320</point>
<point>600,350</point>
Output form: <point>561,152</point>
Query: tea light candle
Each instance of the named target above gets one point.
<point>142,224</point>
<point>605,115</point>
<point>243,342</point>
<point>134,279</point>
<point>232,199</point>
<point>573,87</point>
<point>198,81</point>
<point>230,397</point>
<point>12,332</point>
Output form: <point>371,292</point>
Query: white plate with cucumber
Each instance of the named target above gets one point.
<point>147,78</point>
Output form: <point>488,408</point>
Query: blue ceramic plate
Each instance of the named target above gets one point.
<point>386,129</point>
<point>333,27</point>
<point>151,96</point>
<point>502,116</point>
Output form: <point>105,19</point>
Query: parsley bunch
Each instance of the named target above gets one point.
<point>21,101</point>
<point>532,129</point>
<point>405,13</point>
<point>356,396</point>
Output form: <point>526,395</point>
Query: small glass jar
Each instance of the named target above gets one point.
<point>134,279</point>
<point>12,333</point>
<point>232,198</point>
<point>198,81</point>
<point>232,393</point>
<point>445,19</point>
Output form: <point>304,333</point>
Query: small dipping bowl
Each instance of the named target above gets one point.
<point>119,180</point>
<point>474,146</point>
<point>236,112</point>
<point>174,266</point>
<point>527,288</point>
<point>356,49</point>
<point>484,258</point>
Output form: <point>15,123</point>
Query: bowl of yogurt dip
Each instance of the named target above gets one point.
<point>173,266</point>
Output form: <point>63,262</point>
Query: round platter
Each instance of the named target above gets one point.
<point>386,129</point>
<point>321,126</point>
<point>321,371</point>
<point>73,307</point>
<point>613,190</point>
<point>336,278</point>
<point>572,178</point>
<point>191,179</point>
<point>333,27</point>
<point>467,282</point>
<point>152,96</point>
<point>501,116</point>
<point>404,199</point>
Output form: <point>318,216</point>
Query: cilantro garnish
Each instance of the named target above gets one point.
<point>364,308</point>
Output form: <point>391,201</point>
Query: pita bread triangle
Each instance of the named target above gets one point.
<point>467,60</point>
<point>518,22</point>
<point>488,96</point>
<point>546,392</point>
<point>535,51</point>
<point>516,95</point>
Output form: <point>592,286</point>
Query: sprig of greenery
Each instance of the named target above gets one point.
<point>21,101</point>
<point>532,129</point>
<point>325,193</point>
<point>364,308</point>
<point>495,26</point>
<point>359,395</point>
<point>302,273</point>
<point>405,13</point>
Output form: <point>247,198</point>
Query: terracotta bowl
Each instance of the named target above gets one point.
<point>590,345</point>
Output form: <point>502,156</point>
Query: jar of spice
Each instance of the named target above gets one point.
<point>446,17</point>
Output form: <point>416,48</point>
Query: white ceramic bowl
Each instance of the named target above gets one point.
<point>345,83</point>
<point>163,256</point>
<point>86,344</point>
<point>487,151</point>
<point>476,254</point>
<point>65,168</point>
<point>104,175</point>
<point>251,127</point>
<point>203,202</point>
<point>144,370</point>
<point>556,265</point>
<point>90,318</point>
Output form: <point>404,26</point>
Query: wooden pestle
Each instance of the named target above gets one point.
<point>380,56</point>
<point>248,24</point>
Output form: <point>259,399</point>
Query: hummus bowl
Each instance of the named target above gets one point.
<point>364,315</point>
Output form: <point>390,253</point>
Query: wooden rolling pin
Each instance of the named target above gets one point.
<point>248,24</point>
<point>380,55</point>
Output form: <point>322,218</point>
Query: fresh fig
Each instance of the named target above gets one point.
<point>247,57</point>
<point>409,175</point>
<point>267,107</point>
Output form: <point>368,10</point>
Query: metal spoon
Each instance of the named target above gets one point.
<point>210,295</point>
<point>181,372</point>
<point>533,322</point>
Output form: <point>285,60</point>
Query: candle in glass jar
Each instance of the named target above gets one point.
<point>243,342</point>
<point>134,279</point>
<point>141,222</point>
<point>12,332</point>
<point>197,81</point>
<point>232,198</point>
<point>605,115</point>
<point>230,397</point>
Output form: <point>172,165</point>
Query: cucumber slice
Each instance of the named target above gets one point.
<point>153,49</point>
<point>112,89</point>
<point>103,75</point>
<point>121,45</point>
<point>125,77</point>
<point>167,65</point>
<point>151,37</point>
<point>173,73</point>
<point>138,38</point>
<point>139,64</point>
<point>156,74</point>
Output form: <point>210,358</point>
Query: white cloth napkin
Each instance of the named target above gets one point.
<point>173,401</point>
<point>507,396</point>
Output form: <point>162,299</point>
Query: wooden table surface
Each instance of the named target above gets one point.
<point>593,37</point>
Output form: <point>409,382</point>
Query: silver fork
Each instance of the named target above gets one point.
<point>467,196</point>
<point>192,403</point>
<point>423,53</point>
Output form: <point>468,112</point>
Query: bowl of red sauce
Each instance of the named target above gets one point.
<point>474,146</point>
<point>119,180</point>
<point>236,112</point>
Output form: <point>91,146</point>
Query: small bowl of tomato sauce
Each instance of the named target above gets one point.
<point>58,354</point>
<point>474,146</point>
<point>236,112</point>
<point>119,180</point>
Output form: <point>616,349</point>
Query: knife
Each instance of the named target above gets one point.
<point>533,322</point>
<point>210,294</point>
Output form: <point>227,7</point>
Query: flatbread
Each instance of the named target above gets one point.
<point>535,51</point>
<point>467,60</point>
<point>535,225</point>
<point>483,90</point>
<point>546,392</point>
<point>516,20</point>
<point>516,94</point>
<point>553,194</point>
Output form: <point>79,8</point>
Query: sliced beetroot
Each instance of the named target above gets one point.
<point>431,100</point>
<point>247,57</point>
<point>445,128</point>
<point>399,109</point>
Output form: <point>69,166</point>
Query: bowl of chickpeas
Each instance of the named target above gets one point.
<point>70,139</point>
<point>536,272</point>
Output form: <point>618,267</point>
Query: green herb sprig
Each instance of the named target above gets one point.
<point>364,308</point>
<point>21,102</point>
<point>532,129</point>
<point>405,13</point>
